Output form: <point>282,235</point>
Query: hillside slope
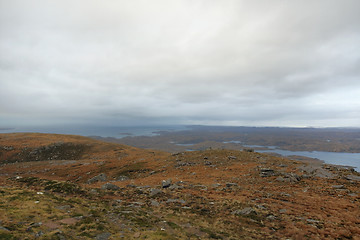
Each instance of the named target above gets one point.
<point>72,187</point>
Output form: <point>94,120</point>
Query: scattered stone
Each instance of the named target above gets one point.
<point>216,185</point>
<point>338,186</point>
<point>353,177</point>
<point>207,163</point>
<point>38,224</point>
<point>232,158</point>
<point>166,183</point>
<point>122,178</point>
<point>267,172</point>
<point>64,207</point>
<point>99,178</point>
<point>283,210</point>
<point>271,217</point>
<point>262,207</point>
<point>312,221</point>
<point>39,234</point>
<point>176,201</point>
<point>154,192</point>
<point>155,203</point>
<point>103,236</point>
<point>175,186</point>
<point>94,191</point>
<point>280,179</point>
<point>244,211</point>
<point>110,186</point>
<point>231,185</point>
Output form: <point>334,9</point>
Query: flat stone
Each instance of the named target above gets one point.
<point>244,211</point>
<point>110,186</point>
<point>231,185</point>
<point>154,192</point>
<point>122,178</point>
<point>155,203</point>
<point>283,210</point>
<point>103,236</point>
<point>99,178</point>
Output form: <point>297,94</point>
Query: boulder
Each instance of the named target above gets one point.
<point>110,186</point>
<point>166,183</point>
<point>122,178</point>
<point>154,192</point>
<point>103,236</point>
<point>99,178</point>
<point>244,211</point>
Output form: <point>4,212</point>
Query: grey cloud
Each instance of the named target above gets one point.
<point>243,62</point>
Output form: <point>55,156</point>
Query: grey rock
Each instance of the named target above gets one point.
<point>216,185</point>
<point>207,163</point>
<point>231,185</point>
<point>176,201</point>
<point>99,178</point>
<point>39,234</point>
<point>283,210</point>
<point>353,177</point>
<point>175,186</point>
<point>312,221</point>
<point>267,172</point>
<point>154,192</point>
<point>262,207</point>
<point>122,178</point>
<point>338,186</point>
<point>232,158</point>
<point>38,224</point>
<point>64,207</point>
<point>103,236</point>
<point>110,186</point>
<point>280,179</point>
<point>155,203</point>
<point>244,211</point>
<point>166,183</point>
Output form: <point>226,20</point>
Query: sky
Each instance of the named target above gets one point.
<point>212,62</point>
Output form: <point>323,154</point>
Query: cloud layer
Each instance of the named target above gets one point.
<point>291,63</point>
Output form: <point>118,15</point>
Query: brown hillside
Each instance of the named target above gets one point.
<point>72,187</point>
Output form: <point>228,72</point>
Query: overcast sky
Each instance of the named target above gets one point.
<point>257,63</point>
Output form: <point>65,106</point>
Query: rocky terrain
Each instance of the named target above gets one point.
<point>72,187</point>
